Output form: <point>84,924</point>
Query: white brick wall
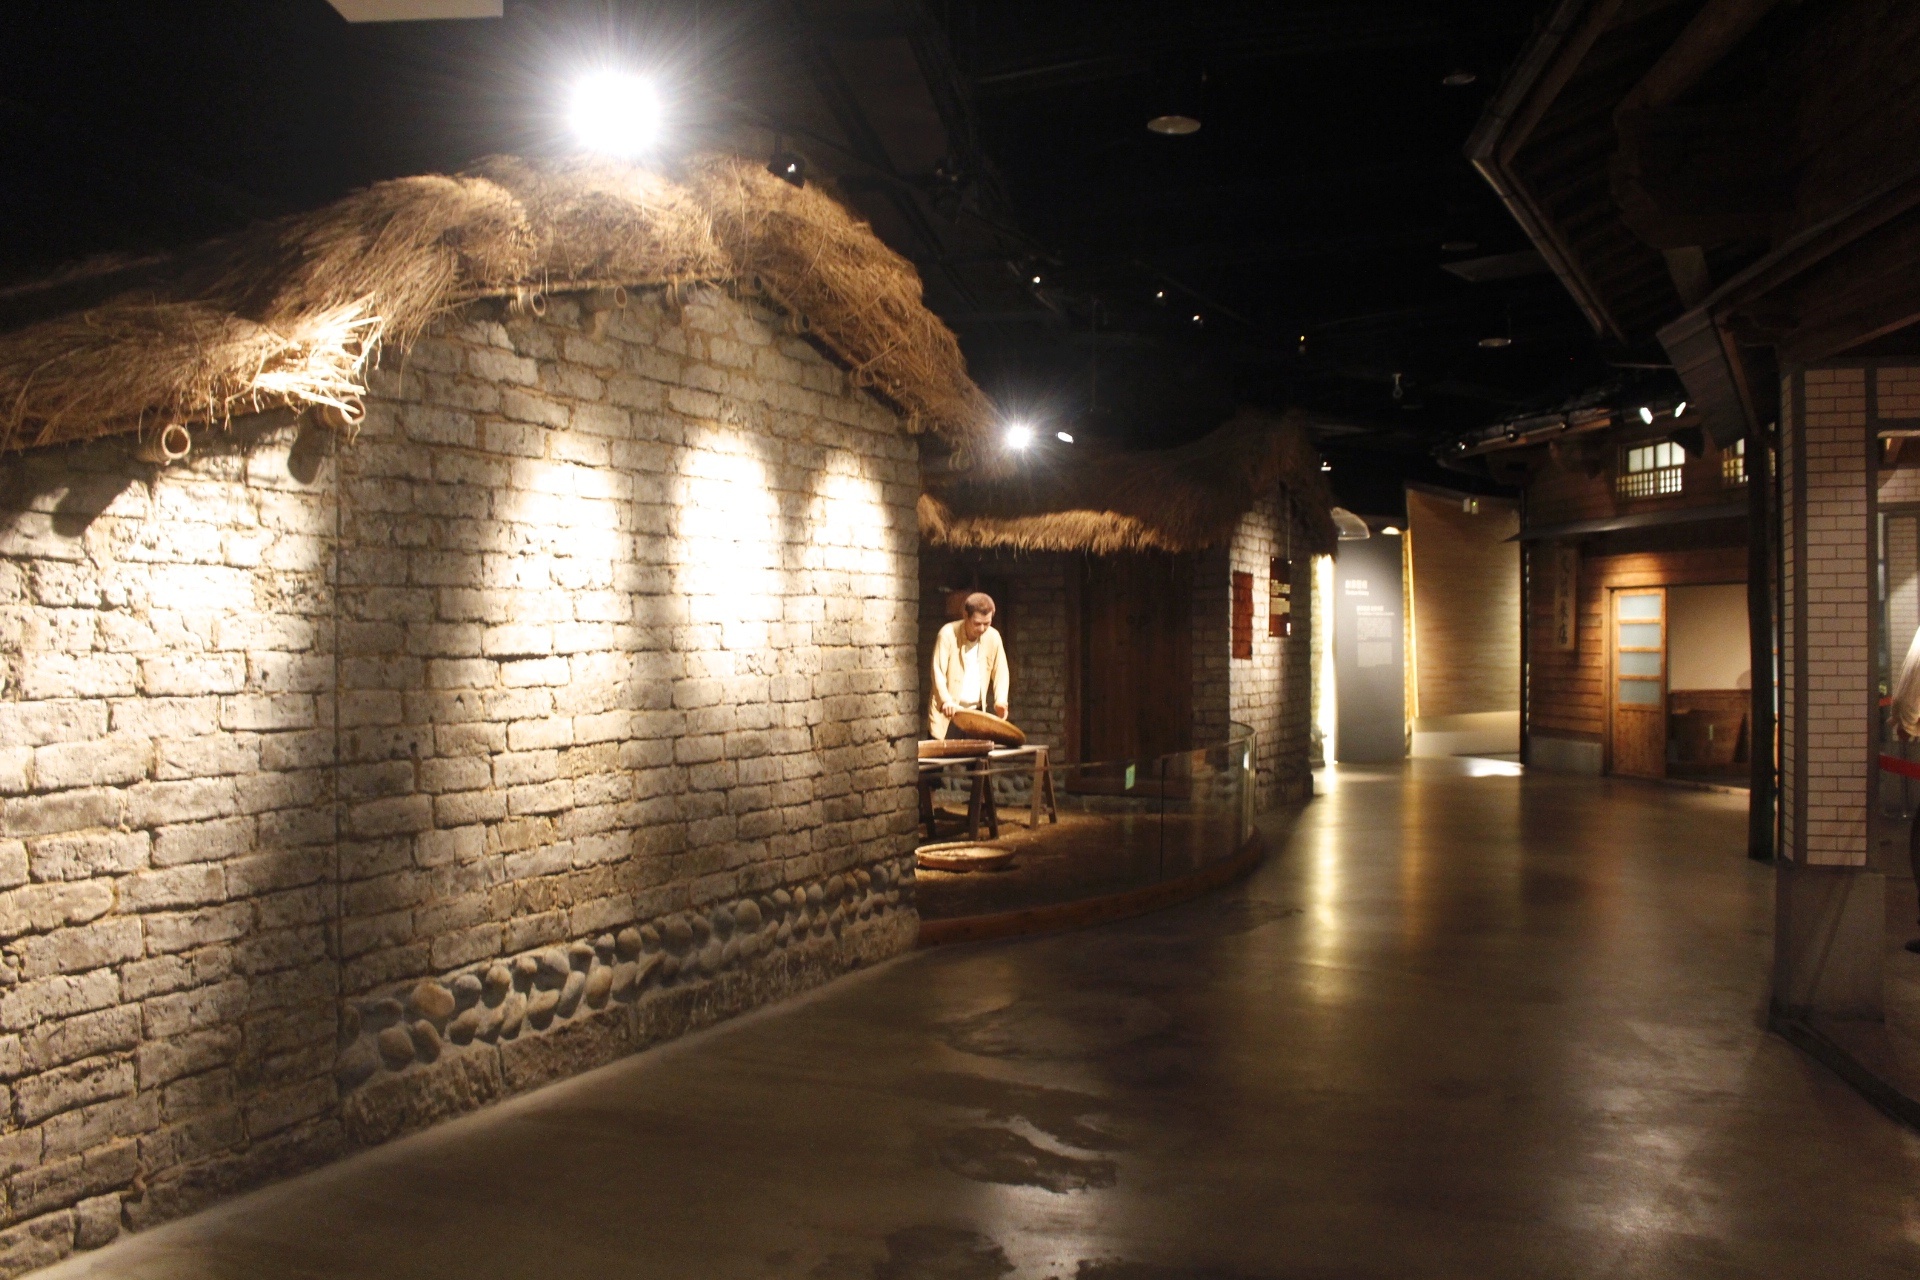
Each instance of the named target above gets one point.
<point>1827,438</point>
<point>604,619</point>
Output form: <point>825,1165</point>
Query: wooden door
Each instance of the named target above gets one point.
<point>1136,659</point>
<point>1639,693</point>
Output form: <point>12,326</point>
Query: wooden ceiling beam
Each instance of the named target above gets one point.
<point>1720,25</point>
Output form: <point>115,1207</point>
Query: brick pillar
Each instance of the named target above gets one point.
<point>1831,907</point>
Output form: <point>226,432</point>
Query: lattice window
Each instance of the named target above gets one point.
<point>1733,464</point>
<point>1650,470</point>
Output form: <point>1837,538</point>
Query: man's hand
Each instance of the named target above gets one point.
<point>948,708</point>
<point>1000,709</point>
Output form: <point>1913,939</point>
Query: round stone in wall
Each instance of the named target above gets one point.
<point>540,1008</point>
<point>747,916</point>
<point>359,1061</point>
<point>465,1027</point>
<point>496,984</point>
<point>466,990</point>
<point>677,934</point>
<point>512,1014</point>
<point>426,1040</point>
<point>599,986</point>
<point>627,944</point>
<point>571,993</point>
<point>396,1046</point>
<point>430,1001</point>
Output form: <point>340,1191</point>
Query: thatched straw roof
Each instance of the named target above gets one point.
<point>1180,499</point>
<point>292,312</point>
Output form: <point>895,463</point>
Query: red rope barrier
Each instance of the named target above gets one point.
<point>1905,768</point>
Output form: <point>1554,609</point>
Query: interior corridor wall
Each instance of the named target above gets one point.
<point>342,789</point>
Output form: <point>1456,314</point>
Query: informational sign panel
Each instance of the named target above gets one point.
<point>1563,581</point>
<point>1369,639</point>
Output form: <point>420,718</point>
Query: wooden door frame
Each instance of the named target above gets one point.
<point>1612,626</point>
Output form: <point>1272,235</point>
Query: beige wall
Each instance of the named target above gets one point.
<point>568,707</point>
<point>1466,606</point>
<point>1707,637</point>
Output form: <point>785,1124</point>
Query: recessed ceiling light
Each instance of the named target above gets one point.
<point>1459,246</point>
<point>1036,279</point>
<point>1174,126</point>
<point>1064,437</point>
<point>1459,78</point>
<point>1159,295</point>
<point>1019,436</point>
<point>1495,342</point>
<point>1198,318</point>
<point>1325,465</point>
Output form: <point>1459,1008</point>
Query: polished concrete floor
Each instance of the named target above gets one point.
<point>1458,1026</point>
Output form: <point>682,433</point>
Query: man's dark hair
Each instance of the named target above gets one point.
<point>979,603</point>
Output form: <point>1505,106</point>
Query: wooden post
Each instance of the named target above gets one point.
<point>1760,647</point>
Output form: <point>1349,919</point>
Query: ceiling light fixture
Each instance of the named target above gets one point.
<point>615,113</point>
<point>1646,415</point>
<point>1325,465</point>
<point>1064,437</point>
<point>1198,318</point>
<point>1459,246</point>
<point>1680,408</point>
<point>1019,436</point>
<point>1495,342</point>
<point>1458,78</point>
<point>1036,280</point>
<point>1391,531</point>
<point>1173,126</point>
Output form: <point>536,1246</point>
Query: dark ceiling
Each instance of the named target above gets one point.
<point>1306,224</point>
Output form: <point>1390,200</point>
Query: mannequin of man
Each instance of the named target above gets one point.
<point>1906,723</point>
<point>969,667</point>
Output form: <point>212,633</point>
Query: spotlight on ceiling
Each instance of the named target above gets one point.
<point>1391,531</point>
<point>1064,437</point>
<point>788,166</point>
<point>1458,78</point>
<point>1198,318</point>
<point>1496,342</point>
<point>1680,408</point>
<point>1036,280</point>
<point>1325,465</point>
<point>1159,295</point>
<point>1646,415</point>
<point>1019,436</point>
<point>614,113</point>
<point>1173,126</point>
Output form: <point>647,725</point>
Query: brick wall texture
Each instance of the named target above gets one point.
<point>1827,427</point>
<point>1271,692</point>
<point>344,788</point>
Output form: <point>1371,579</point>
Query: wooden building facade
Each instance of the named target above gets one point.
<point>1738,183</point>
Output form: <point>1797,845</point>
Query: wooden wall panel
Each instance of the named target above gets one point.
<point>1466,605</point>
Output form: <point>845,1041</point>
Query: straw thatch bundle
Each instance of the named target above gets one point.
<point>293,312</point>
<point>1179,499</point>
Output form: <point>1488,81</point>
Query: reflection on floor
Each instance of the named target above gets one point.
<point>1492,1026</point>
<point>1084,855</point>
